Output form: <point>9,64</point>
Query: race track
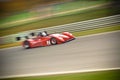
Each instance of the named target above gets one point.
<point>90,52</point>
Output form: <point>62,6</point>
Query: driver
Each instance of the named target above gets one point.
<point>43,34</point>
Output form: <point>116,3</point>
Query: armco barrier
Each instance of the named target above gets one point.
<point>72,27</point>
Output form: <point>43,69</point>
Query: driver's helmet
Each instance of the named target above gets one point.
<point>44,34</point>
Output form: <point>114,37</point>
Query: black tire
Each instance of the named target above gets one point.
<point>26,45</point>
<point>53,41</point>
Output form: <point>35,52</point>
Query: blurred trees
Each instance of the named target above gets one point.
<point>13,6</point>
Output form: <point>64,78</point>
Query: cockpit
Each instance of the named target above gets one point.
<point>43,34</point>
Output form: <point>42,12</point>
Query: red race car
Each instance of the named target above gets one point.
<point>45,39</point>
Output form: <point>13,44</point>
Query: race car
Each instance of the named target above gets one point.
<point>45,39</point>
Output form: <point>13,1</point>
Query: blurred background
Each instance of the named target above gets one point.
<point>17,16</point>
<point>9,7</point>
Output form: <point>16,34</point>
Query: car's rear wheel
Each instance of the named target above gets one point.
<point>53,41</point>
<point>26,45</point>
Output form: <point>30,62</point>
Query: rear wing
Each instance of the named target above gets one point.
<point>25,37</point>
<point>31,35</point>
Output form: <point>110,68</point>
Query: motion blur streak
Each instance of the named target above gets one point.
<point>55,14</point>
<point>84,53</point>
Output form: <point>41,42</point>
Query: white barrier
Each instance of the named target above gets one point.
<point>72,27</point>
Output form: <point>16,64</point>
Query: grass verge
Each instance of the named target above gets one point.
<point>53,9</point>
<point>81,33</point>
<point>97,75</point>
<point>59,20</point>
<point>10,45</point>
<point>98,30</point>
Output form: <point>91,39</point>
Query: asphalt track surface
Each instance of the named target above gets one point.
<point>89,52</point>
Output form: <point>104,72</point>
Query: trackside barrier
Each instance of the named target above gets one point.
<point>72,27</point>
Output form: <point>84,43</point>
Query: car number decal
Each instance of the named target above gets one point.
<point>48,42</point>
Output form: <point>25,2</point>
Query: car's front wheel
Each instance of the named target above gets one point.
<point>53,41</point>
<point>26,45</point>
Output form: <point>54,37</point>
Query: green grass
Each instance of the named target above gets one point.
<point>54,9</point>
<point>97,75</point>
<point>19,16</point>
<point>80,33</point>
<point>79,16</point>
<point>60,19</point>
<point>76,4</point>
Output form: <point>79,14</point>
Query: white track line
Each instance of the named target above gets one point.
<point>62,72</point>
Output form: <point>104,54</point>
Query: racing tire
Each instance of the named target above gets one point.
<point>26,45</point>
<point>53,41</point>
